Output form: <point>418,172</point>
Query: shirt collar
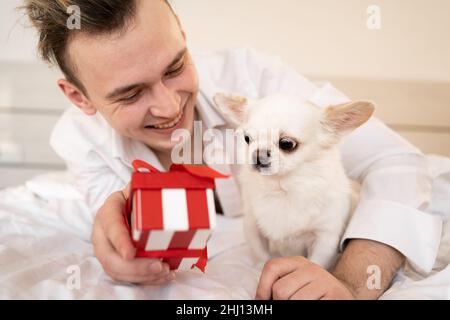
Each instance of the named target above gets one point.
<point>127,150</point>
<point>208,114</point>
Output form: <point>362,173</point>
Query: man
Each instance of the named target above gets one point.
<point>134,82</point>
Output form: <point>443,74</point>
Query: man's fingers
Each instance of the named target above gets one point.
<point>139,270</point>
<point>141,275</point>
<point>162,280</point>
<point>126,191</point>
<point>286,286</point>
<point>312,291</point>
<point>273,270</point>
<point>117,233</point>
<point>113,225</point>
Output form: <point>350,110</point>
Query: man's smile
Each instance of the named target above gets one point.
<point>171,125</point>
<point>168,124</point>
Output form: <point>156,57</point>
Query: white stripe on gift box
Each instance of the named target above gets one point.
<point>136,222</point>
<point>158,240</point>
<point>199,239</point>
<point>175,212</point>
<point>186,263</point>
<point>136,235</point>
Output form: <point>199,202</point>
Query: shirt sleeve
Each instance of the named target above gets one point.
<point>95,182</point>
<point>94,178</point>
<point>394,177</point>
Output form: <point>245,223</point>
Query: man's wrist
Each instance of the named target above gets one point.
<point>367,268</point>
<point>347,285</point>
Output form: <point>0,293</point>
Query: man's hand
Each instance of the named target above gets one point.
<point>115,251</point>
<point>297,278</point>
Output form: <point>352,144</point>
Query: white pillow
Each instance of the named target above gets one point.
<point>54,185</point>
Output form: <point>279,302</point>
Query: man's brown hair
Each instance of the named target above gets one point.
<point>97,17</point>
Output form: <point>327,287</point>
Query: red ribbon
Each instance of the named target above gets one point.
<point>174,256</point>
<point>176,179</point>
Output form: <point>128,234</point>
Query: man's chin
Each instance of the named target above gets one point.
<point>163,144</point>
<point>185,123</point>
<point>163,141</point>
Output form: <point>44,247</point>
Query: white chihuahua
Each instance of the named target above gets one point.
<point>296,196</point>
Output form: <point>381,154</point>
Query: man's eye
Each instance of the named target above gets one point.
<point>176,71</point>
<point>131,98</point>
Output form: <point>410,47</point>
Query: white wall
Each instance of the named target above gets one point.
<point>319,37</point>
<point>397,66</point>
<point>17,40</point>
<point>329,37</point>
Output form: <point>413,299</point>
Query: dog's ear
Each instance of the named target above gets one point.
<point>343,118</point>
<point>231,106</point>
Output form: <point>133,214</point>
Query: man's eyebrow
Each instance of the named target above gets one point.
<point>122,90</point>
<point>177,58</point>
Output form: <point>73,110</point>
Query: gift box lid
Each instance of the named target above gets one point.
<point>185,176</point>
<point>179,200</point>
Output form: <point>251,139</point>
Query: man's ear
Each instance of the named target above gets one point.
<point>77,97</point>
<point>343,118</point>
<point>231,106</point>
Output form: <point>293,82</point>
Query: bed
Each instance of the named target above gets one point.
<point>45,239</point>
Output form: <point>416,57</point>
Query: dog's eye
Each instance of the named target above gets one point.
<point>247,139</point>
<point>287,144</point>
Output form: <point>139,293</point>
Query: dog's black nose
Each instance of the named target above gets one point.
<point>261,158</point>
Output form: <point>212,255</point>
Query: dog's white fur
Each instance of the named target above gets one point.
<point>301,203</point>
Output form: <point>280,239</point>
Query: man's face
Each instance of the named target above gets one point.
<point>141,80</point>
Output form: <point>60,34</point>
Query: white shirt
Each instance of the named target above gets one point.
<point>396,185</point>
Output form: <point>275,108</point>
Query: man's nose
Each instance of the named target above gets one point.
<point>165,103</point>
<point>261,158</point>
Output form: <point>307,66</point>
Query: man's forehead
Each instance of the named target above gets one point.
<point>145,49</point>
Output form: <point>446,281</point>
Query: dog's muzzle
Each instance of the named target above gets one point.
<point>261,158</point>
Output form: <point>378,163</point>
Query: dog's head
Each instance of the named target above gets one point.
<point>283,133</point>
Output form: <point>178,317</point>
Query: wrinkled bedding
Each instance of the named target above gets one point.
<point>45,233</point>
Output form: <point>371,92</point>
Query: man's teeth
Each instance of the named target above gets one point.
<point>170,124</point>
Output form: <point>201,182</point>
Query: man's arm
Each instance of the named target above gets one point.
<point>356,268</point>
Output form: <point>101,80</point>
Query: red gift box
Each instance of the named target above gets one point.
<point>171,214</point>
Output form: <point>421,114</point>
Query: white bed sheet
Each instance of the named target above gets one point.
<point>45,229</point>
